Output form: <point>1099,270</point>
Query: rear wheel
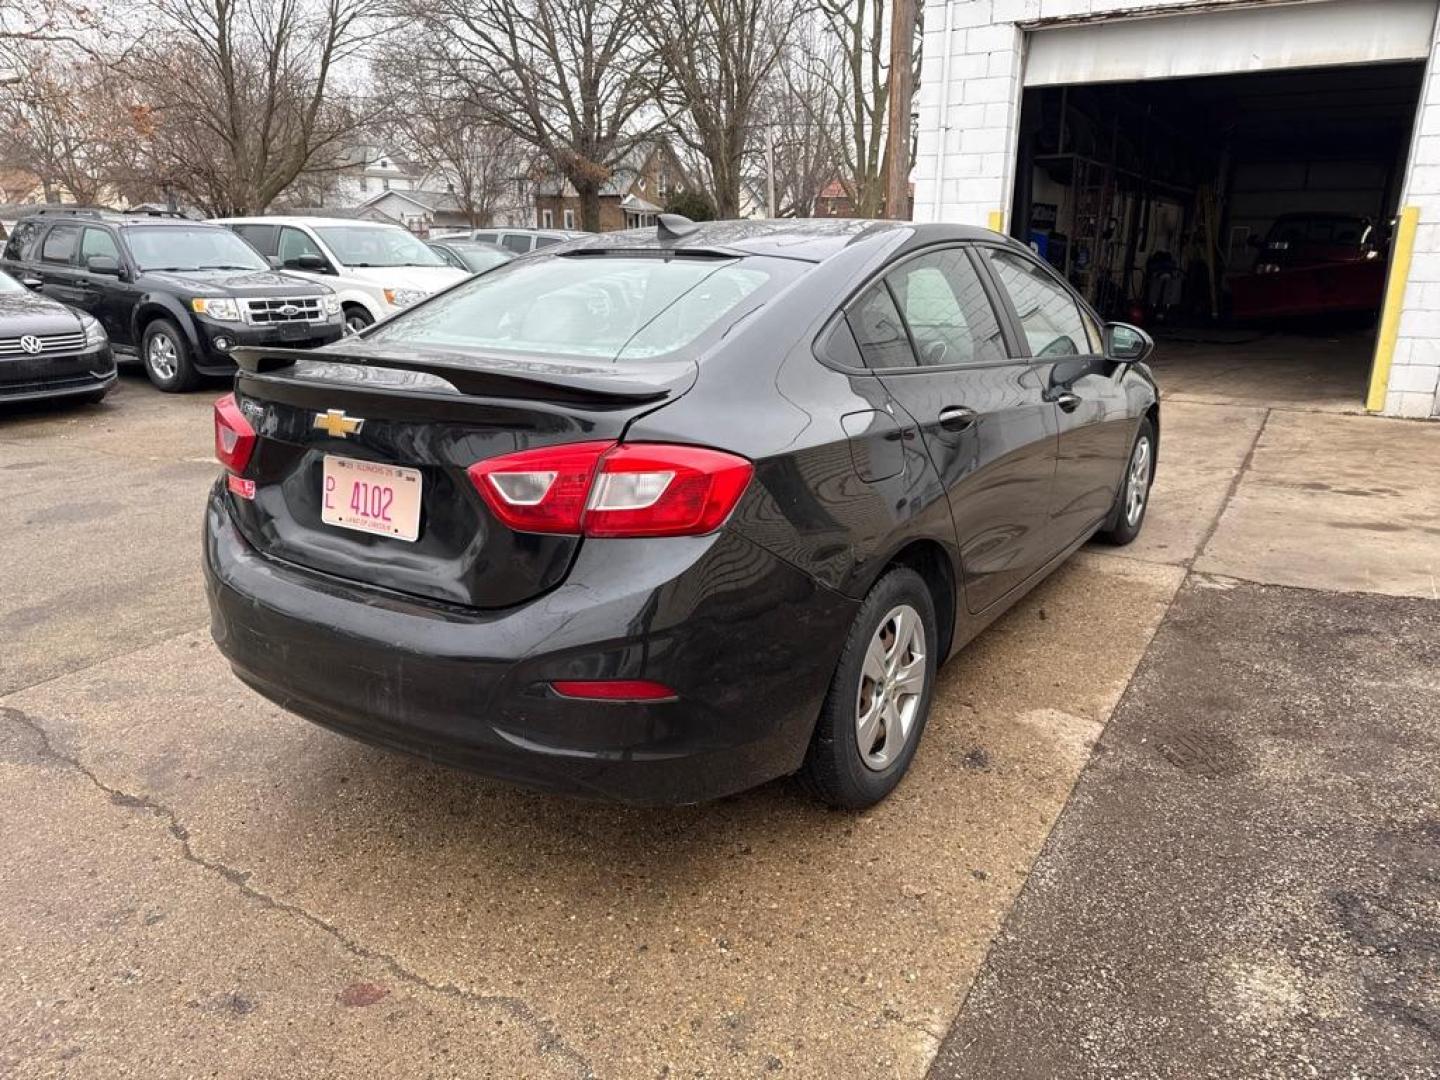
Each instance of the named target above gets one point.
<point>1127,516</point>
<point>879,698</point>
<point>167,357</point>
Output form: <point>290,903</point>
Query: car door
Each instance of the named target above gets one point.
<point>931,329</point>
<point>57,270</point>
<point>1094,415</point>
<point>105,296</point>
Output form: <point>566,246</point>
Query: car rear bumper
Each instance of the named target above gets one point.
<point>36,378</point>
<point>747,642</point>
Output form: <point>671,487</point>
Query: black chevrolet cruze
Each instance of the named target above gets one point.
<point>658,516</point>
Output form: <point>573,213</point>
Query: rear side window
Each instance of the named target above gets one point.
<point>260,237</point>
<point>516,242</point>
<point>21,239</point>
<point>879,331</point>
<point>946,308</point>
<point>547,241</point>
<point>59,245</point>
<point>485,237</point>
<point>1049,316</point>
<point>603,307</point>
<point>98,242</point>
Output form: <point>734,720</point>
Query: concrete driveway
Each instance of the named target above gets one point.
<point>194,882</point>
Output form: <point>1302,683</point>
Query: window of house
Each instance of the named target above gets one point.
<point>547,219</point>
<point>569,219</point>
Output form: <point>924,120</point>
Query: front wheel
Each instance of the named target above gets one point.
<point>879,698</point>
<point>167,357</point>
<point>1133,499</point>
<point>356,318</point>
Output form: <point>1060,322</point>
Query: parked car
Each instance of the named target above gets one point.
<point>179,295</point>
<point>666,515</point>
<point>470,256</point>
<point>1314,264</point>
<point>520,241</point>
<point>375,268</point>
<point>49,350</point>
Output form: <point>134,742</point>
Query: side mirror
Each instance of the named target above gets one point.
<point>1127,344</point>
<point>31,282</point>
<point>103,264</point>
<point>314,263</point>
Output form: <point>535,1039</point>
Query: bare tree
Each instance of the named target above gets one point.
<point>65,120</point>
<point>715,58</point>
<point>244,94</point>
<point>800,116</point>
<point>860,95</point>
<point>569,77</point>
<point>479,161</point>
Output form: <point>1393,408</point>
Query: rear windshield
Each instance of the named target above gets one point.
<point>597,306</point>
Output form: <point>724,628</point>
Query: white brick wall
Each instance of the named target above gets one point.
<point>980,102</point>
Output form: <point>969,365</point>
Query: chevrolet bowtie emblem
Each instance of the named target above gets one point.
<point>336,424</point>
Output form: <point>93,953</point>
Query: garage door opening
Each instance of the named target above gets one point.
<point>1245,219</point>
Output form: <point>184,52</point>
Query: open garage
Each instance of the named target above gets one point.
<point>1239,178</point>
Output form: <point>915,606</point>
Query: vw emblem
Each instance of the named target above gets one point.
<point>289,309</point>
<point>31,344</point>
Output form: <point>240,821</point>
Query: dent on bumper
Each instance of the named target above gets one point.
<point>747,641</point>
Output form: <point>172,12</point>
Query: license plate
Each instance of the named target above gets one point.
<point>294,331</point>
<point>370,497</point>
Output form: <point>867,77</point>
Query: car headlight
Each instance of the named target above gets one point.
<point>405,297</point>
<point>217,307</point>
<point>94,333</point>
<point>332,304</point>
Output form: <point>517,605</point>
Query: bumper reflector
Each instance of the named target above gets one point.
<point>613,690</point>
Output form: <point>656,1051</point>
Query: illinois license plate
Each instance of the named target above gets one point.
<point>370,497</point>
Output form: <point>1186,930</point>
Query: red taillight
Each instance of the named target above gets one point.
<point>613,689</point>
<point>234,437</point>
<point>606,489</point>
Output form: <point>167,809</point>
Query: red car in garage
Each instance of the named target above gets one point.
<point>1312,264</point>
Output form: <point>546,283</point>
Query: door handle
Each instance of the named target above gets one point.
<point>957,417</point>
<point>1067,401</point>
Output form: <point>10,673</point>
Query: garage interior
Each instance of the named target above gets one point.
<point>1155,199</point>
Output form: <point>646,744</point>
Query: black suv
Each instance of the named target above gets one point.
<point>177,294</point>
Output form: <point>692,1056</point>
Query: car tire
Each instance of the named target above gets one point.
<point>1127,516</point>
<point>166,356</point>
<point>885,677</point>
<point>357,318</point>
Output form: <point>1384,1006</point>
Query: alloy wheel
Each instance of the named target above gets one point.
<point>160,355</point>
<point>1137,484</point>
<point>892,686</point>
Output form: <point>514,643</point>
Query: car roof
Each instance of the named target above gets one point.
<point>288,219</point>
<point>808,239</point>
<point>101,216</point>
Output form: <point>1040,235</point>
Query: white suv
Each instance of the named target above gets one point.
<point>375,268</point>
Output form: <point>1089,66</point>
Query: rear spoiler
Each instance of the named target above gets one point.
<point>490,376</point>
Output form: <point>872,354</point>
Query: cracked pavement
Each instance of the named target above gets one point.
<point>194,882</point>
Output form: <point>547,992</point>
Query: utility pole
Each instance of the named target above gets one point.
<point>902,90</point>
<point>770,170</point>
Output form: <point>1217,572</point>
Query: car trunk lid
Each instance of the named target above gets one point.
<point>403,419</point>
